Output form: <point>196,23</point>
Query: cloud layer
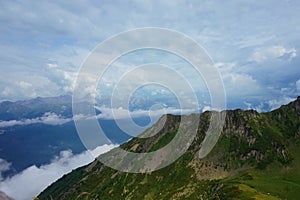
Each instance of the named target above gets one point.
<point>4,166</point>
<point>39,178</point>
<point>48,118</point>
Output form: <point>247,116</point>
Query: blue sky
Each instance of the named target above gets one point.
<point>254,44</point>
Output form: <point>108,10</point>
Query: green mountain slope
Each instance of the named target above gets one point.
<point>256,157</point>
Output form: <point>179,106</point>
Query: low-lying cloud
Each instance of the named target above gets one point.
<point>4,166</point>
<point>48,118</point>
<point>51,118</point>
<point>30,182</point>
<point>122,113</point>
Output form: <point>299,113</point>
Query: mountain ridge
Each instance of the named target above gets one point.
<point>37,107</point>
<point>251,145</point>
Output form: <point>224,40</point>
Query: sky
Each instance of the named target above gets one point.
<point>254,44</point>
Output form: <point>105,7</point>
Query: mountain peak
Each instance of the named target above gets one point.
<point>251,145</point>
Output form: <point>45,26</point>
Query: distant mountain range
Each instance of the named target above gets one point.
<point>33,108</point>
<point>256,157</point>
<point>35,131</point>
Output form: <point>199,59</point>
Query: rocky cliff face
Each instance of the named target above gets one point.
<point>251,144</point>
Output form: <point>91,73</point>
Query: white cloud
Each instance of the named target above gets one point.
<point>52,65</point>
<point>4,166</point>
<point>237,84</point>
<point>69,81</point>
<point>272,52</point>
<point>47,118</point>
<point>7,92</point>
<point>33,180</point>
<point>248,105</point>
<point>276,103</point>
<point>255,40</point>
<point>25,85</point>
<point>121,113</point>
<point>259,108</point>
<point>106,113</point>
<point>125,118</point>
<point>206,108</point>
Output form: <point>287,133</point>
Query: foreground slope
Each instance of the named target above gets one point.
<point>256,157</point>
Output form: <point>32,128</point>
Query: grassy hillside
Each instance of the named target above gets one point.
<point>256,157</point>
